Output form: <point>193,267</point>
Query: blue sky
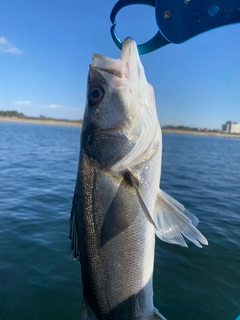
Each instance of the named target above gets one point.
<point>46,47</point>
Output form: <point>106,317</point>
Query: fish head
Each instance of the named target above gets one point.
<point>120,104</point>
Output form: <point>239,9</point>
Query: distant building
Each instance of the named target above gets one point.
<point>231,127</point>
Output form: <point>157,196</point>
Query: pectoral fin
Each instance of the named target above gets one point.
<point>173,222</point>
<point>139,196</point>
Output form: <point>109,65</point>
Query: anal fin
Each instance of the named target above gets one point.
<point>87,313</point>
<point>73,235</point>
<point>158,315</point>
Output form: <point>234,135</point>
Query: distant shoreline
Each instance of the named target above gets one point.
<point>43,121</point>
<point>202,133</point>
<point>79,124</point>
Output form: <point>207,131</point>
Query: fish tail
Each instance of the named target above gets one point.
<point>87,313</point>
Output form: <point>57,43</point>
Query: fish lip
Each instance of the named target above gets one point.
<point>111,71</point>
<point>117,67</point>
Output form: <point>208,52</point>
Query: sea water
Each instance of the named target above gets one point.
<point>39,278</point>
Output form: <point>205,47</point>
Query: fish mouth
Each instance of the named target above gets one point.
<point>113,72</point>
<point>108,65</point>
<point>117,67</point>
<point>129,49</point>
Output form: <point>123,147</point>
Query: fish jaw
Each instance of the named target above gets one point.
<point>128,108</point>
<point>127,65</point>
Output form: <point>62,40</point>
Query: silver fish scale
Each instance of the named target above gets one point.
<point>114,242</point>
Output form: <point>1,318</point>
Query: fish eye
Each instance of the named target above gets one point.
<point>95,94</point>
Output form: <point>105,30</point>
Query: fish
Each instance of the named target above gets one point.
<point>118,207</point>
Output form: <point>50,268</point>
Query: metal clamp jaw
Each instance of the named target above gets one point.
<point>180,20</point>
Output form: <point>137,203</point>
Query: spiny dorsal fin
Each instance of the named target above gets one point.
<point>173,222</point>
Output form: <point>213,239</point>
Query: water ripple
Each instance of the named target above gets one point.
<point>38,277</point>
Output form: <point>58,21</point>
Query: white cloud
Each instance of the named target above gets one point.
<point>54,106</point>
<point>22,103</point>
<point>60,111</point>
<point>32,109</point>
<point>7,47</point>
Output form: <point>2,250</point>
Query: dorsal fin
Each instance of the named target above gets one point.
<point>174,221</point>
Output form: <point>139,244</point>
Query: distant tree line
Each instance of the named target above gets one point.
<point>20,115</point>
<point>12,113</point>
<point>184,128</point>
<point>177,128</point>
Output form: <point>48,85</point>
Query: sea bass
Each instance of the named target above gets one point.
<point>118,206</point>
